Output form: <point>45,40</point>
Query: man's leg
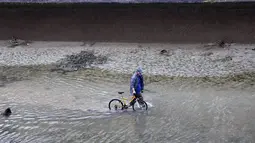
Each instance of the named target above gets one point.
<point>140,100</point>
<point>139,96</point>
<point>132,102</point>
<point>133,98</point>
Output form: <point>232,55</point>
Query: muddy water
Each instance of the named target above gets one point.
<point>60,108</point>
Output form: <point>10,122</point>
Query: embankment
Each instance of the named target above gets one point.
<point>135,23</point>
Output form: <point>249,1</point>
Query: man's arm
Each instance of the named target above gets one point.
<point>132,83</point>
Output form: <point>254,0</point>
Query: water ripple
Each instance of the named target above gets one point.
<point>59,109</point>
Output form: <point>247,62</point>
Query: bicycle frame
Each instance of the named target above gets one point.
<point>123,99</point>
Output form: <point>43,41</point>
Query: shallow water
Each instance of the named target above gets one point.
<point>62,108</point>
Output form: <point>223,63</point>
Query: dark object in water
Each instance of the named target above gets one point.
<point>253,49</point>
<point>163,52</point>
<point>7,112</point>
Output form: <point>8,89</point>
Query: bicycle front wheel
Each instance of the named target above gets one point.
<point>116,104</point>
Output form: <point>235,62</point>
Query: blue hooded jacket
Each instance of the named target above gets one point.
<point>136,82</point>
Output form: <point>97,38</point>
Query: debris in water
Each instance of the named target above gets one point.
<point>163,51</point>
<point>7,112</point>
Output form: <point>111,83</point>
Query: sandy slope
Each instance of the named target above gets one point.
<point>179,60</point>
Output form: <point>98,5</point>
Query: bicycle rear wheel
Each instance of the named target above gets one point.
<point>140,105</point>
<point>116,104</point>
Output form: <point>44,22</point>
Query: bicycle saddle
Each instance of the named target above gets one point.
<point>120,92</point>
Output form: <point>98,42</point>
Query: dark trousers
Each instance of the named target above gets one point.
<point>135,97</point>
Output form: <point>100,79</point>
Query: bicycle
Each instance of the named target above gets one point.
<point>122,103</point>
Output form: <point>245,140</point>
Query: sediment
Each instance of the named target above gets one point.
<point>194,64</point>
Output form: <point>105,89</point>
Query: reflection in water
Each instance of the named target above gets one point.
<point>140,126</point>
<point>54,109</point>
